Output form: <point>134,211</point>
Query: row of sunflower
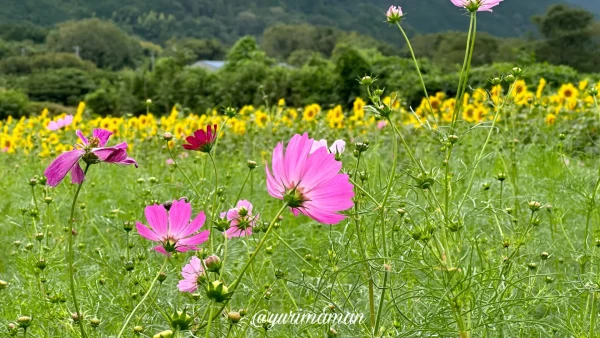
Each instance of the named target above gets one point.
<point>34,135</point>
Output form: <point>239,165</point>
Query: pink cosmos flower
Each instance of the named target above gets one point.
<point>477,5</point>
<point>170,162</point>
<point>92,151</point>
<point>241,219</point>
<point>191,272</point>
<point>60,123</point>
<point>173,230</point>
<point>337,147</point>
<point>310,184</point>
<point>381,124</point>
<point>202,140</point>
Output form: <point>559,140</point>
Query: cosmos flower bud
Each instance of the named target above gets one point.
<point>217,291</point>
<point>510,78</point>
<point>213,263</point>
<point>39,236</point>
<point>3,285</point>
<point>167,136</point>
<point>230,112</point>
<point>222,224</point>
<point>129,266</point>
<point>138,329</point>
<point>366,80</point>
<point>495,81</point>
<point>95,322</point>
<point>234,317</point>
<point>48,199</point>
<point>361,147</point>
<point>41,264</point>
<point>517,72</point>
<point>501,177</point>
<point>33,181</point>
<point>544,255</point>
<point>181,321</point>
<point>75,317</point>
<point>251,164</point>
<point>279,274</point>
<point>162,276</point>
<point>24,322</point>
<point>164,334</point>
<point>534,206</point>
<point>149,101</point>
<point>394,14</point>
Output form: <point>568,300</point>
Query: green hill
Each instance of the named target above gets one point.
<point>159,20</point>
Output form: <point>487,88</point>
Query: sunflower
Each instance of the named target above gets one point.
<point>568,92</point>
<point>469,114</point>
<point>540,88</point>
<point>310,112</point>
<point>550,119</point>
<point>261,119</point>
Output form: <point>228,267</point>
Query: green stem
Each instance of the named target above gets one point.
<point>210,315</point>
<point>383,232</point>
<point>182,172</point>
<point>407,148</point>
<point>214,206</point>
<point>480,156</point>
<point>464,74</point>
<point>237,281</point>
<point>237,198</point>
<point>412,53</point>
<point>143,298</point>
<point>70,256</point>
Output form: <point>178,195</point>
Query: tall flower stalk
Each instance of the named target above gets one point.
<point>70,258</point>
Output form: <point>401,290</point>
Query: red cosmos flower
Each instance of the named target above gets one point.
<point>202,140</point>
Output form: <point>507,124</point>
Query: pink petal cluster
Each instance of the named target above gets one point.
<point>477,5</point>
<point>202,140</point>
<point>394,14</point>
<point>60,123</point>
<point>173,229</point>
<point>311,183</point>
<point>191,272</point>
<point>92,151</point>
<point>241,219</point>
<point>337,147</point>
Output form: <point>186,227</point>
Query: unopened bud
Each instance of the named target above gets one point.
<point>251,164</point>
<point>213,263</point>
<point>366,80</point>
<point>534,206</point>
<point>24,321</point>
<point>234,317</point>
<point>95,322</point>
<point>167,136</point>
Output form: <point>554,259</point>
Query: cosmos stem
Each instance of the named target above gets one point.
<point>70,256</point>
<point>143,299</point>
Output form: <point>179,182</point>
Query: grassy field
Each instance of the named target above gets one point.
<point>466,216</point>
<point>515,272</point>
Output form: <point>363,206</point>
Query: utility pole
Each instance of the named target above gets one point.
<point>152,61</point>
<point>76,50</point>
<point>22,51</point>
